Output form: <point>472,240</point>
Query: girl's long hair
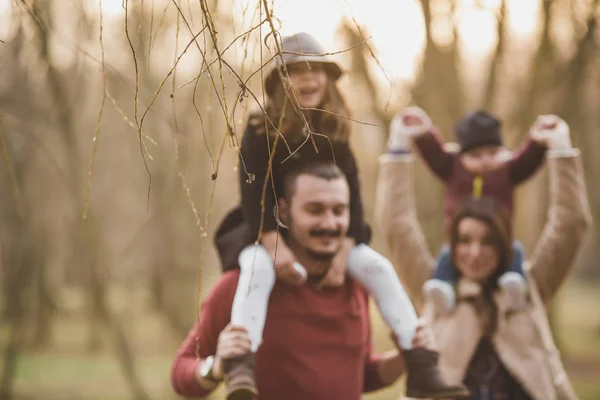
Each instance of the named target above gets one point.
<point>330,119</point>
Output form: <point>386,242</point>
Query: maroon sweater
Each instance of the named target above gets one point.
<point>316,343</point>
<point>498,184</point>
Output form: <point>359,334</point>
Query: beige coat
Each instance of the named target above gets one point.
<point>523,340</point>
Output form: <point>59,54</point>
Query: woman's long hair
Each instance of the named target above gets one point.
<point>489,211</point>
<point>285,113</point>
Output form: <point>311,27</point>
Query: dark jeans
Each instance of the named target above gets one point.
<point>446,272</point>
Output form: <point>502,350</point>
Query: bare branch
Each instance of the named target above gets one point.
<point>99,120</point>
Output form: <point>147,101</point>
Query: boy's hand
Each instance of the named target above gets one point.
<point>552,131</point>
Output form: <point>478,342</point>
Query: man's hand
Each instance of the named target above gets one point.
<point>423,336</point>
<point>336,276</point>
<point>283,258</point>
<point>233,342</point>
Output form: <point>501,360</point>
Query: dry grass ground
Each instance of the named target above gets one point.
<point>67,371</point>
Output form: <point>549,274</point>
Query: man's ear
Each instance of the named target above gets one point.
<point>283,209</point>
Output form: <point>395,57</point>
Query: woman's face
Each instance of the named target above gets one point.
<point>309,83</point>
<point>474,254</point>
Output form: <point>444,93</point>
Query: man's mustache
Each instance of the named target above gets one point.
<point>325,233</point>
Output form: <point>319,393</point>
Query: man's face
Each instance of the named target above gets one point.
<point>318,215</point>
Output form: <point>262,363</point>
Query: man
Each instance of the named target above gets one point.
<point>316,343</point>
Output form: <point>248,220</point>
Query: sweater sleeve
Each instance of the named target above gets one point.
<point>430,146</point>
<point>346,161</point>
<point>372,380</point>
<point>568,221</point>
<point>255,157</point>
<point>201,340</point>
<point>528,158</point>
<point>396,216</point>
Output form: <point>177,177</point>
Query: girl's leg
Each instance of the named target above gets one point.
<point>378,276</point>
<point>257,278</point>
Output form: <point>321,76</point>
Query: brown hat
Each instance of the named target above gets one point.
<point>312,51</point>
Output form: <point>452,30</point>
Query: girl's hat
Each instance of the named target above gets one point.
<point>301,47</point>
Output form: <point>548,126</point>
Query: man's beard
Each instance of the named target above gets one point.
<point>320,256</point>
<point>323,256</point>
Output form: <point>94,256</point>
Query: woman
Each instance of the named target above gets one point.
<point>497,354</point>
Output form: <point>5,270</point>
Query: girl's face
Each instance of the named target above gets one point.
<point>474,254</point>
<point>309,83</point>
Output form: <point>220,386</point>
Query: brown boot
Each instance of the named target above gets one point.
<point>239,377</point>
<point>424,378</point>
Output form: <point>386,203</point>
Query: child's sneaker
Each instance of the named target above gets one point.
<point>440,294</point>
<point>513,288</point>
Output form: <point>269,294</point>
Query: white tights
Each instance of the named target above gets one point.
<point>367,266</point>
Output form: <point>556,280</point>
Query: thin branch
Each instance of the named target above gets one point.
<point>363,41</point>
<point>160,23</point>
<point>151,26</point>
<point>188,193</point>
<point>203,71</point>
<point>130,123</point>
<point>167,77</point>
<point>99,120</point>
<point>135,103</point>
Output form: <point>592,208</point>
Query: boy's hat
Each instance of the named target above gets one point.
<point>476,129</point>
<point>312,52</point>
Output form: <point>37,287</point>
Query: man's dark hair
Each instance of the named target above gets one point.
<point>324,170</point>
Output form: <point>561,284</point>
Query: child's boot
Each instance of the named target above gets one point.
<point>239,377</point>
<point>424,379</point>
<point>513,288</point>
<point>440,294</point>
